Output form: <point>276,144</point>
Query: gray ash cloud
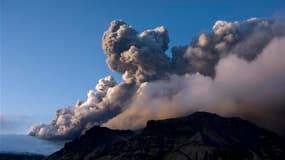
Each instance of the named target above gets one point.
<point>236,69</point>
<point>140,57</point>
<point>246,40</point>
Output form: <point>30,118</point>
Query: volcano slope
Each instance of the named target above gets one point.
<point>199,136</point>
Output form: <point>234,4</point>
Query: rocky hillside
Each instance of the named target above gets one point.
<point>199,136</point>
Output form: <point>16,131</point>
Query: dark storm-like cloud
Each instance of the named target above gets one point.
<point>236,69</point>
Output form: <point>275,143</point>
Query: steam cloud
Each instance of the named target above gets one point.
<point>237,69</point>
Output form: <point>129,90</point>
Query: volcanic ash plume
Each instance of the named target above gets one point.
<point>237,69</point>
<point>246,40</point>
<point>70,122</point>
<point>253,91</point>
<point>139,57</point>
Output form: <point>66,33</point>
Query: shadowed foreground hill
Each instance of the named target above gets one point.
<point>200,136</point>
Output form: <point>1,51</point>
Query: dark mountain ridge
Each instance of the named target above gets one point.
<point>199,136</point>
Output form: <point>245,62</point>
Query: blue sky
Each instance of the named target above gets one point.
<point>51,52</point>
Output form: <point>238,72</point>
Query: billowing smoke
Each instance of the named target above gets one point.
<point>102,104</point>
<point>254,91</point>
<point>140,57</point>
<point>237,69</point>
<point>246,40</point>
